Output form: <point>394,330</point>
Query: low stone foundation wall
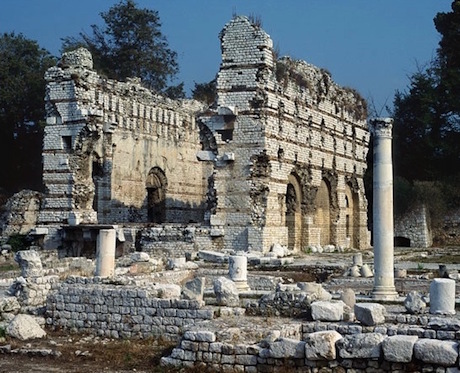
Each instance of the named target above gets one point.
<point>324,350</point>
<point>122,311</point>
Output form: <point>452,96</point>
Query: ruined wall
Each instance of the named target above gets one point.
<point>414,226</point>
<point>285,123</point>
<point>279,159</point>
<point>115,152</point>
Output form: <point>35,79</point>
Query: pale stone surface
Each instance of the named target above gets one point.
<point>384,288</point>
<point>321,345</point>
<point>433,351</point>
<point>194,289</point>
<point>316,291</point>
<point>361,346</point>
<point>442,296</point>
<point>79,57</point>
<point>226,292</point>
<point>366,271</point>
<point>327,311</point>
<point>399,348</point>
<point>140,256</point>
<point>287,348</point>
<point>414,302</point>
<point>348,297</point>
<point>238,268</point>
<point>358,259</point>
<point>105,252</point>
<point>9,305</point>
<point>370,313</point>
<point>24,327</point>
<point>30,263</point>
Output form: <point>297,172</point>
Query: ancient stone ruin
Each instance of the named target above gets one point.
<point>200,220</point>
<point>279,158</point>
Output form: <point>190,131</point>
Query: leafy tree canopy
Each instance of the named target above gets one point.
<point>205,92</point>
<point>22,67</point>
<point>130,44</point>
<point>427,116</point>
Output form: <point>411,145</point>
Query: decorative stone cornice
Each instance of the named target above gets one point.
<point>381,127</point>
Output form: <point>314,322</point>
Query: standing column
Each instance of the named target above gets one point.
<point>384,286</point>
<point>105,261</point>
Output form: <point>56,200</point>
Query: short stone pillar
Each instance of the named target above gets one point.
<point>358,259</point>
<point>384,286</point>
<point>105,251</point>
<point>238,271</point>
<point>442,296</point>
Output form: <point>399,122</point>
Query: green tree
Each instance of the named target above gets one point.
<point>130,44</point>
<point>427,117</point>
<point>205,92</point>
<point>22,67</point>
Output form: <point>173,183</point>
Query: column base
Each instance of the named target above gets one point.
<point>384,293</point>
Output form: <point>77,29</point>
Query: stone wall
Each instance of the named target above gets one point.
<point>284,123</point>
<point>414,226</point>
<point>137,311</point>
<point>279,158</point>
<point>326,347</point>
<point>114,150</point>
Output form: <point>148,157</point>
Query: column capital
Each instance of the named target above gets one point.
<point>381,127</point>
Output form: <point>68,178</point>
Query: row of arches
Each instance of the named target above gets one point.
<point>326,214</point>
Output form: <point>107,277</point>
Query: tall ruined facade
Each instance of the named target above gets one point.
<point>280,159</point>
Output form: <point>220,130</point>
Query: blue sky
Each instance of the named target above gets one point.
<point>370,45</point>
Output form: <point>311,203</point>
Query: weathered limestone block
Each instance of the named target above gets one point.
<point>200,336</point>
<point>321,345</point>
<point>327,311</point>
<point>370,313</point>
<point>433,351</point>
<point>9,305</point>
<point>194,289</point>
<point>442,296</point>
<point>348,297</point>
<point>284,348</point>
<point>361,346</point>
<point>226,292</point>
<point>399,348</point>
<point>30,263</point>
<point>414,303</point>
<point>78,57</point>
<point>25,327</point>
<point>316,291</point>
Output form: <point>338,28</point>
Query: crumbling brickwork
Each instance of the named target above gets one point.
<point>287,127</point>
<point>280,158</point>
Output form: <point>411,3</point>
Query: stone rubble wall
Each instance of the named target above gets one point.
<point>284,122</point>
<point>353,348</point>
<point>114,311</point>
<point>414,225</point>
<point>102,139</point>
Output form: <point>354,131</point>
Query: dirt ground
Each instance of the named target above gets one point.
<point>84,354</point>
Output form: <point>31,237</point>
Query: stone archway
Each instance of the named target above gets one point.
<point>156,186</point>
<point>351,216</point>
<point>323,212</point>
<point>293,213</point>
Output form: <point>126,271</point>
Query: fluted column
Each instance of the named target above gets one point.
<point>384,286</point>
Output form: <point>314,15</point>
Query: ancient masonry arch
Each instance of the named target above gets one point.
<point>293,213</point>
<point>156,186</point>
<point>323,212</point>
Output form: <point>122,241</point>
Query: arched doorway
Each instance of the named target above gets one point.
<point>351,216</point>
<point>293,214</point>
<point>156,195</point>
<point>323,212</point>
